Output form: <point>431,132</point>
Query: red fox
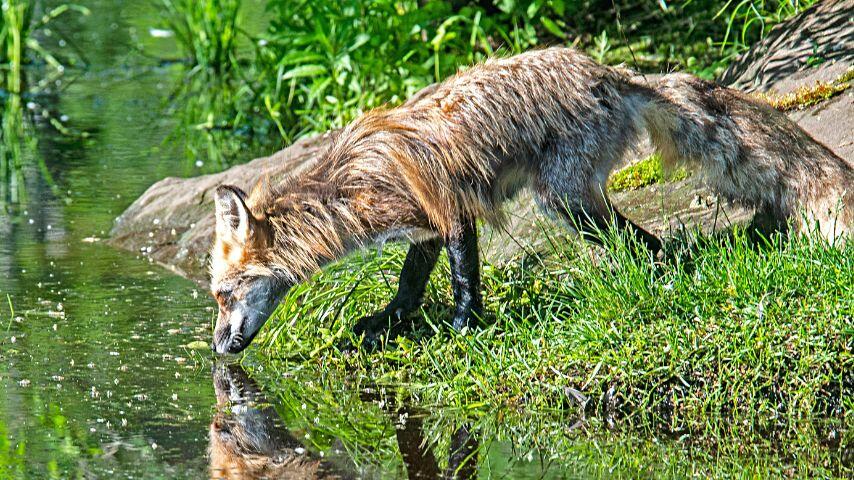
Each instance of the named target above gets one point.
<point>552,120</point>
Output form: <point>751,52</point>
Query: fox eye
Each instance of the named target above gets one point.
<point>224,293</point>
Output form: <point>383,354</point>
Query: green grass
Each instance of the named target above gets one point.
<point>735,330</point>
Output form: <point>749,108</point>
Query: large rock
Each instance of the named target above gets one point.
<point>172,222</point>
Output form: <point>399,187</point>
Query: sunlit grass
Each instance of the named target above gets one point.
<point>321,64</point>
<point>753,332</point>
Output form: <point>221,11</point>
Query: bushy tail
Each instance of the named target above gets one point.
<point>752,154</point>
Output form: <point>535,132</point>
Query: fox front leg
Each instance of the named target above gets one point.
<point>465,274</point>
<point>419,263</point>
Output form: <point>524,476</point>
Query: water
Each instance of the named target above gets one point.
<point>97,376</point>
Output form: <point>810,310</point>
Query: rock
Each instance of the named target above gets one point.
<point>817,44</point>
<point>172,222</point>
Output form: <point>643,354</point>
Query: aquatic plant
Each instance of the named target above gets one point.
<point>19,22</point>
<point>206,30</point>
<point>18,45</point>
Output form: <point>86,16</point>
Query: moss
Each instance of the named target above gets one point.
<point>645,172</point>
<point>808,95</point>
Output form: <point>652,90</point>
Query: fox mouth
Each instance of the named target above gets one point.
<point>239,342</point>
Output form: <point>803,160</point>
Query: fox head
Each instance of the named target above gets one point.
<point>246,287</point>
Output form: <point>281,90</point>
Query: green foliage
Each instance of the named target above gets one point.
<point>326,62</point>
<point>19,21</point>
<point>749,20</point>
<point>322,63</point>
<point>332,412</point>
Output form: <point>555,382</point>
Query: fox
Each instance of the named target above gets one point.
<point>553,121</point>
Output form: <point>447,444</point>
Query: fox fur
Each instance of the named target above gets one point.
<point>552,120</point>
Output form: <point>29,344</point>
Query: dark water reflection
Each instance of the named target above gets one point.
<point>248,439</point>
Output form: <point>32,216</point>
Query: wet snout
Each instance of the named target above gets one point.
<point>232,333</point>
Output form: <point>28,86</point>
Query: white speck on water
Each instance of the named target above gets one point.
<point>160,32</point>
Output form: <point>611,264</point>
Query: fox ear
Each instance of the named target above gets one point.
<point>232,215</point>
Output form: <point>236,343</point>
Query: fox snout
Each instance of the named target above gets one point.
<point>243,314</point>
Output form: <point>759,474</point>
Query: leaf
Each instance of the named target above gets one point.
<point>300,57</point>
<point>198,345</point>
<point>302,71</point>
<point>361,39</point>
<point>552,27</point>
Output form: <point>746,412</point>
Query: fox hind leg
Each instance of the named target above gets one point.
<point>419,263</point>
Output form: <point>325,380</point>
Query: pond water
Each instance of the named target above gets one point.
<point>98,377</point>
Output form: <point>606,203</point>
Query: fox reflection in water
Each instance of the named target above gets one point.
<point>246,442</point>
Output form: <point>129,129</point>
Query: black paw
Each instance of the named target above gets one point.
<point>468,318</point>
<point>372,329</point>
